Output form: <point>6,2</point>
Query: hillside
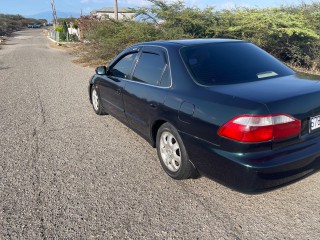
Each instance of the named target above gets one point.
<point>10,23</point>
<point>48,15</point>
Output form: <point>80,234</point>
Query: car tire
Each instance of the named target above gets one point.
<point>172,153</point>
<point>95,100</point>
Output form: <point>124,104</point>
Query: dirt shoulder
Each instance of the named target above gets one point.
<point>83,53</point>
<point>3,40</point>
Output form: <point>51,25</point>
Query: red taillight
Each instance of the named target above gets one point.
<point>260,128</point>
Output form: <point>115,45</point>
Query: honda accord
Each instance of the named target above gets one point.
<point>219,107</point>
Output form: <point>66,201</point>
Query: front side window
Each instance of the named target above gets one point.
<point>228,63</point>
<point>149,68</point>
<point>123,67</point>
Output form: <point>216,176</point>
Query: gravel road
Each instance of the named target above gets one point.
<point>66,173</point>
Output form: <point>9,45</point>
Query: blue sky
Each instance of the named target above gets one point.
<point>30,7</point>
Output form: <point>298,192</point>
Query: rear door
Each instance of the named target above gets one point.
<point>145,92</point>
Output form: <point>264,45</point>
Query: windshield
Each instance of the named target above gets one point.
<point>232,62</point>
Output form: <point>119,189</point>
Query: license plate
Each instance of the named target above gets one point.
<point>314,123</point>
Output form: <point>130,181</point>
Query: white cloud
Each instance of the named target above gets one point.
<point>233,5</point>
<point>139,3</point>
<point>134,2</point>
<point>92,1</point>
<point>193,2</point>
<point>147,3</point>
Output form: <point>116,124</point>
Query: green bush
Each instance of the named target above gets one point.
<point>58,29</point>
<point>290,33</point>
<point>73,38</point>
<point>287,35</point>
<point>110,37</point>
<point>9,22</point>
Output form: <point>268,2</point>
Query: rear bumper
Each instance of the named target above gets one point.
<point>254,172</point>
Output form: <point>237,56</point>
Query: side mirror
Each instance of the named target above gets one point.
<point>102,70</point>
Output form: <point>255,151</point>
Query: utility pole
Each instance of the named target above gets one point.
<point>54,13</point>
<point>116,9</point>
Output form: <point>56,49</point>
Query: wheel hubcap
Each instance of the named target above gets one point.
<point>170,151</point>
<point>95,101</point>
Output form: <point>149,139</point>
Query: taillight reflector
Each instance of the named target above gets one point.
<point>260,128</point>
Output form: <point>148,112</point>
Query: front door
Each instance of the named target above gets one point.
<point>112,85</point>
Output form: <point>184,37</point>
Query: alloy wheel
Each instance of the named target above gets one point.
<point>170,151</point>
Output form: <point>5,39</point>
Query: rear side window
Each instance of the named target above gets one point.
<point>123,67</point>
<point>227,63</point>
<point>149,69</point>
<point>165,80</point>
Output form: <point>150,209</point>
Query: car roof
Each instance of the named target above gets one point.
<point>190,42</point>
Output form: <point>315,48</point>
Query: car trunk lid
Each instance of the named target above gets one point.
<point>297,95</point>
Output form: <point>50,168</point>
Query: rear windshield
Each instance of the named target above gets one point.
<point>228,63</point>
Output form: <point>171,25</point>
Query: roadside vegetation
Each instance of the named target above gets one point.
<point>290,33</point>
<point>62,28</point>
<point>10,23</point>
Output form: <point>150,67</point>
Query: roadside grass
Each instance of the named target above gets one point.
<point>304,70</point>
<point>85,55</point>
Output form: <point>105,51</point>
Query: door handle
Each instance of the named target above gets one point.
<point>118,91</point>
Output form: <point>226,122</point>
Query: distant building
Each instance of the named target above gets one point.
<point>108,12</point>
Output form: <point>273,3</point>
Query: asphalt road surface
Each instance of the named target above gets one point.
<point>66,173</point>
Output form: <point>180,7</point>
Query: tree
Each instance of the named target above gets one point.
<point>285,34</point>
<point>188,21</point>
<point>289,33</point>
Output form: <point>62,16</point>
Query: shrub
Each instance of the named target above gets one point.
<point>290,33</point>
<point>58,29</point>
